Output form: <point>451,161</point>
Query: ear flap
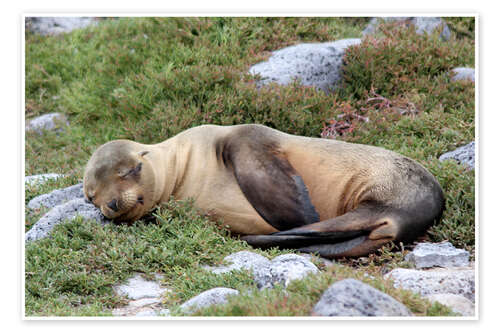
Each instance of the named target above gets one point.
<point>135,171</point>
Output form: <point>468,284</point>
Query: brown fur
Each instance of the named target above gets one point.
<point>261,181</point>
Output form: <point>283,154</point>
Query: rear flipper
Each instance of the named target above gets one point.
<point>353,234</point>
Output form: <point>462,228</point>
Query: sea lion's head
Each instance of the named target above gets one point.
<point>119,180</point>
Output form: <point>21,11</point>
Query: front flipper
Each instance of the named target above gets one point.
<point>269,182</point>
<point>353,234</point>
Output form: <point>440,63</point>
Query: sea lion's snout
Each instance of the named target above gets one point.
<point>113,205</point>
<point>121,204</point>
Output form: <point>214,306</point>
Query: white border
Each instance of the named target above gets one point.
<point>236,13</point>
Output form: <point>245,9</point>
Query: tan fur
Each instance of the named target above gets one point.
<point>337,175</point>
<point>340,175</point>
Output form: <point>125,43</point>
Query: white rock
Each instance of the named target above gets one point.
<point>164,312</point>
<point>444,254</point>
<point>137,287</point>
<point>47,122</point>
<point>57,25</point>
<point>141,307</point>
<point>40,179</point>
<point>61,213</point>
<point>146,313</point>
<point>208,298</point>
<point>123,312</point>
<point>141,302</point>
<point>287,268</point>
<point>463,73</point>
<point>458,281</point>
<point>57,197</point>
<point>457,303</point>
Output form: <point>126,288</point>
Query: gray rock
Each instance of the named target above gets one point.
<point>314,64</point>
<point>285,269</point>
<point>463,73</point>
<point>429,24</point>
<point>40,179</point>
<point>464,155</point>
<point>426,255</point>
<point>351,297</point>
<point>457,303</point>
<point>57,25</point>
<point>458,281</point>
<point>61,213</point>
<point>137,288</point>
<point>422,25</point>
<point>208,298</point>
<point>267,273</point>
<point>57,197</point>
<point>47,122</point>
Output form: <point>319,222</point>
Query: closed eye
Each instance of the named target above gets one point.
<point>128,173</point>
<point>135,171</point>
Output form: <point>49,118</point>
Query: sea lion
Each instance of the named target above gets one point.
<point>334,198</point>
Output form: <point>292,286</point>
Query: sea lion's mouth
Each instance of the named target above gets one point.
<point>110,214</point>
<point>127,216</point>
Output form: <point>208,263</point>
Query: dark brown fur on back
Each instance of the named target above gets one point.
<point>268,181</point>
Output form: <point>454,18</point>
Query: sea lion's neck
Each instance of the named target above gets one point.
<point>170,168</point>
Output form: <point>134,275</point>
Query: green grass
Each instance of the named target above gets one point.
<point>149,79</point>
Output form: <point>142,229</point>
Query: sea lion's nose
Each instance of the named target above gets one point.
<point>113,205</point>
